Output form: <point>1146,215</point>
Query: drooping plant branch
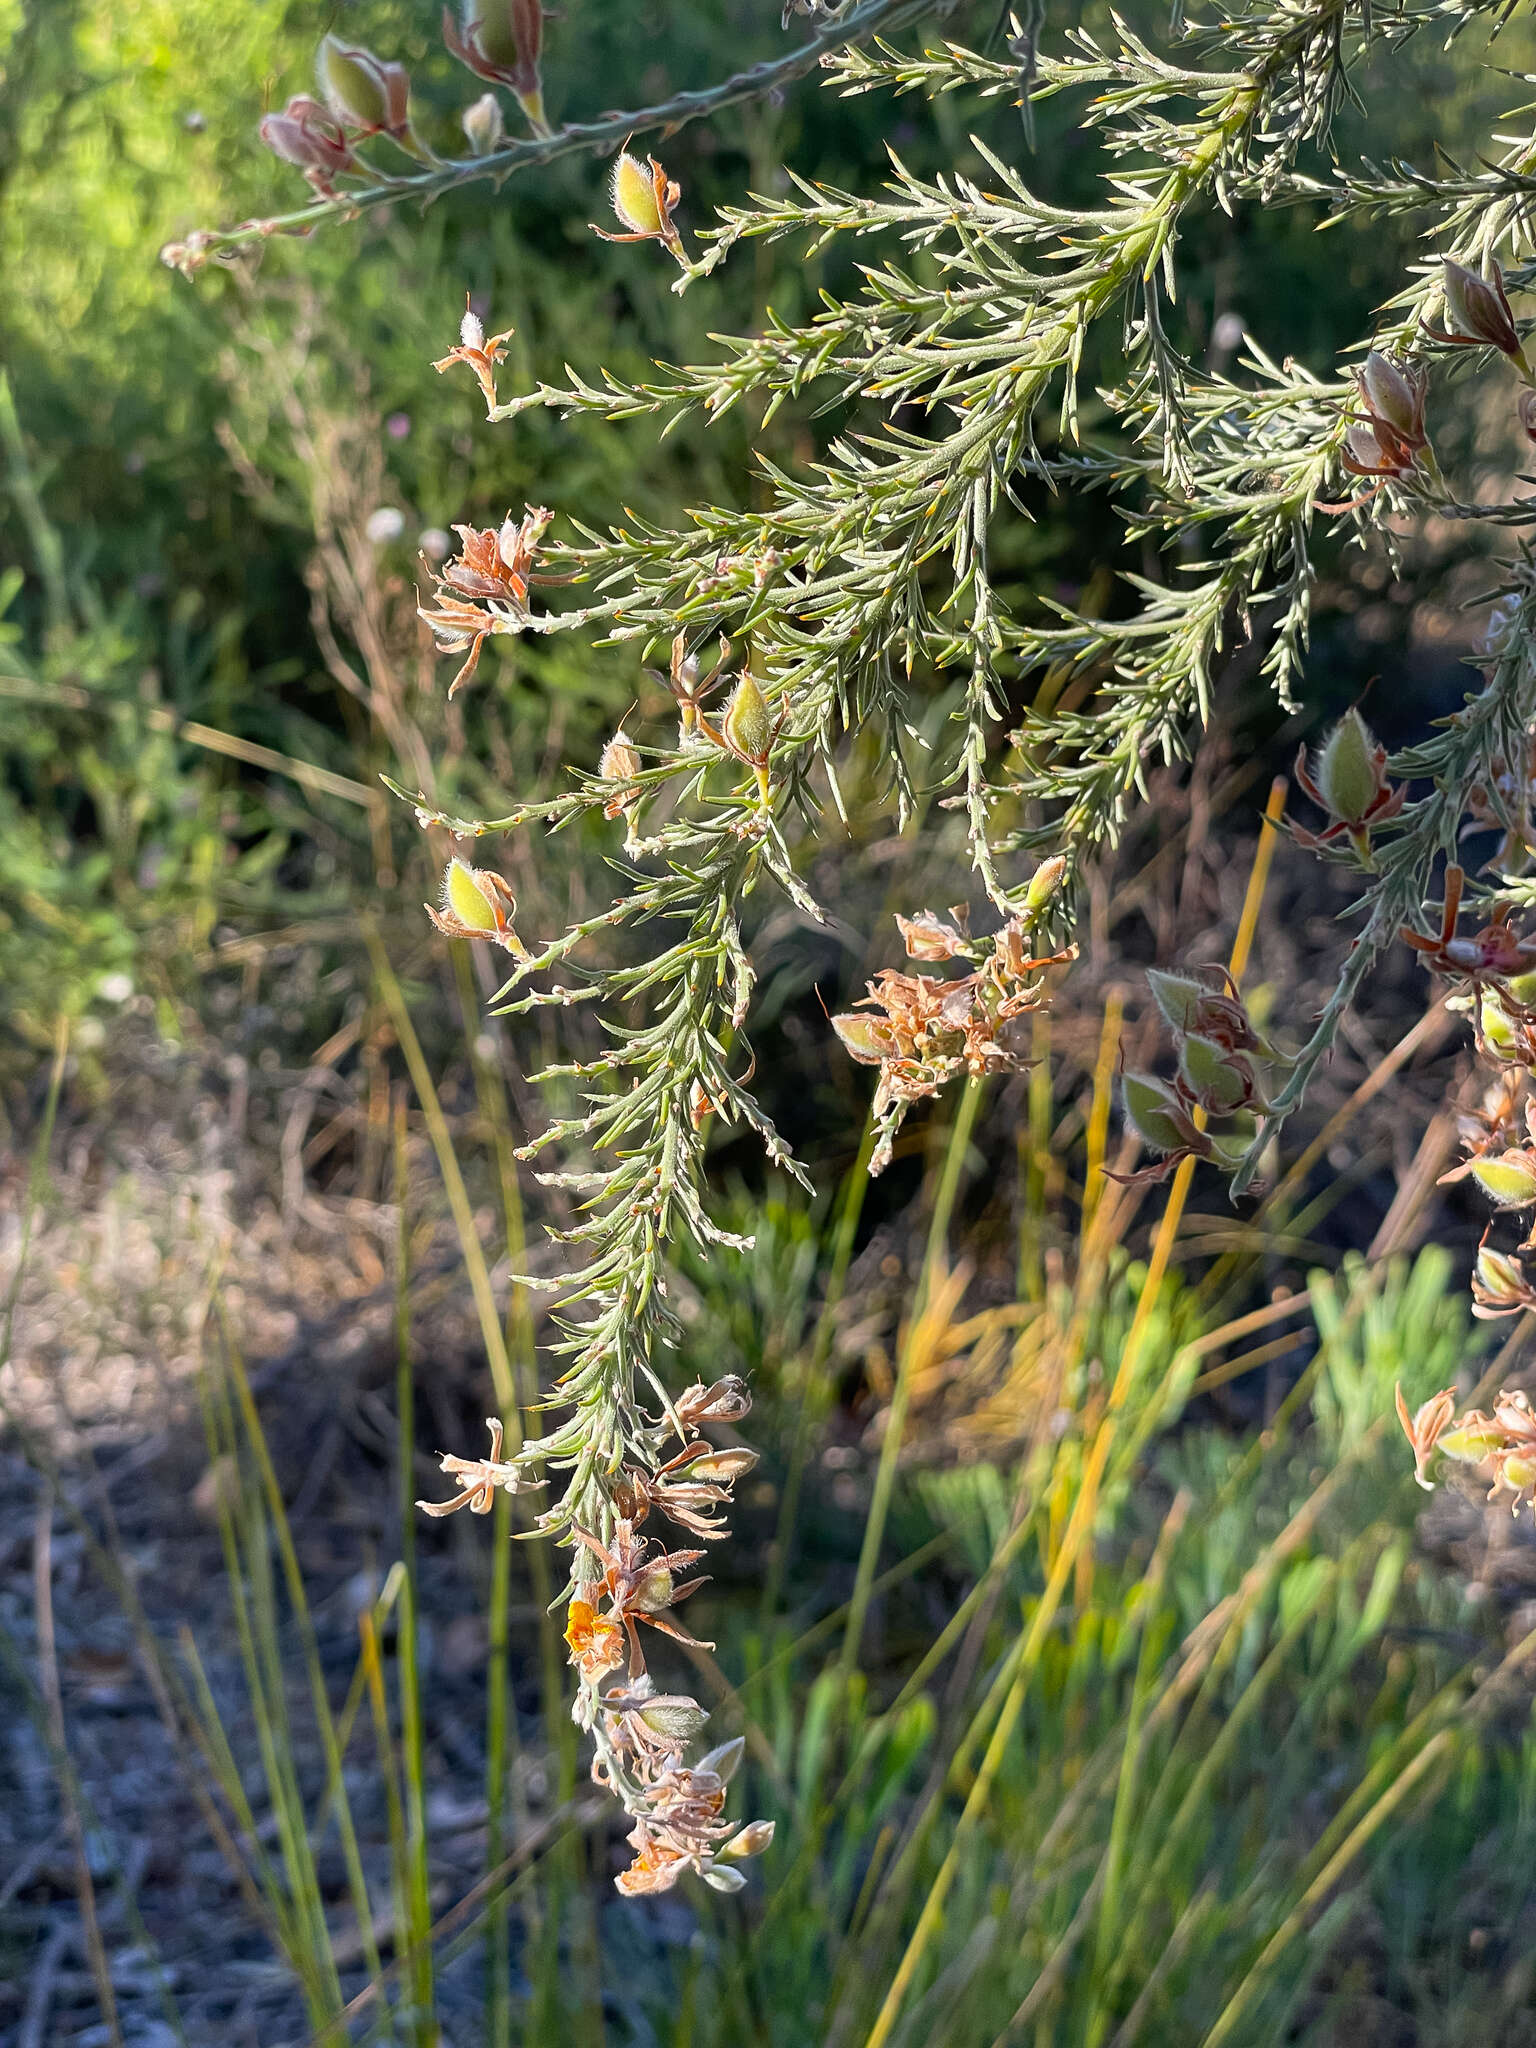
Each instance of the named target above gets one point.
<point>844,593</point>
<point>364,98</point>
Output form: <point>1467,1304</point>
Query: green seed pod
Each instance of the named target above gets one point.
<point>1044,882</point>
<point>1178,997</point>
<point>1219,1081</point>
<point>720,1467</point>
<point>753,1839</point>
<point>1509,1180</point>
<point>1156,1114</point>
<point>490,22</point>
<point>1496,1024</point>
<point>466,899</point>
<point>674,1717</point>
<point>1478,309</point>
<point>1392,395</point>
<point>361,89</point>
<point>1347,774</point>
<point>633,196</point>
<point>747,725</point>
<point>1518,1470</point>
<point>1471,1441</point>
<point>867,1038</point>
<point>1500,1276</point>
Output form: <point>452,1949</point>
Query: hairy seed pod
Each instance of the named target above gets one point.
<point>1044,882</point>
<point>1178,997</point>
<point>747,725</point>
<point>1472,1440</point>
<point>654,1591</point>
<point>673,1716</point>
<point>632,194</point>
<point>867,1038</point>
<point>1219,1081</point>
<point>1500,1277</point>
<point>1156,1114</point>
<point>1509,1180</point>
<point>465,897</point>
<point>1347,773</point>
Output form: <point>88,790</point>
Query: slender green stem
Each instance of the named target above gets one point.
<point>890,1447</point>
<point>812,1402</point>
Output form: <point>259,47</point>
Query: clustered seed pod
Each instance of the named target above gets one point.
<point>1224,1071</point>
<point>483,590</point>
<point>642,1734</point>
<point>1502,1444</point>
<point>929,1030</point>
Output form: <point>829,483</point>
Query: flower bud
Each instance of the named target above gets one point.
<point>746,724</point>
<point>361,89</point>
<point>723,1760</point>
<point>1517,1470</point>
<point>1509,1180</point>
<point>722,1880</point>
<point>1156,1114</point>
<point>1348,773</point>
<point>1044,882</point>
<point>1219,1082</point>
<point>673,1716</point>
<point>1478,309</point>
<point>752,1840</point>
<point>483,125</point>
<point>869,1039</point>
<point>633,196</point>
<point>1394,396</point>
